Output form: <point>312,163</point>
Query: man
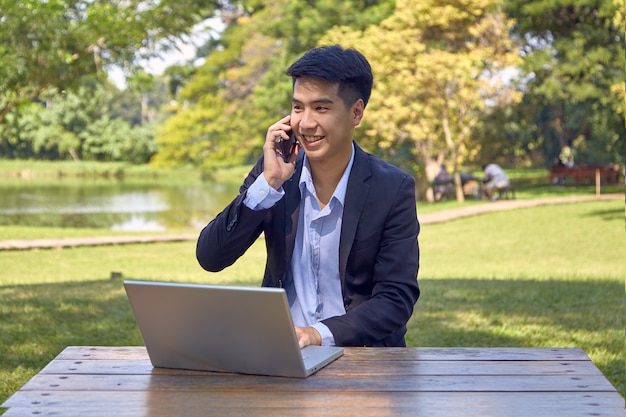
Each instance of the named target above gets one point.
<point>340,225</point>
<point>494,179</point>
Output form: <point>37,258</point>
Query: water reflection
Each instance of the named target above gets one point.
<point>117,205</point>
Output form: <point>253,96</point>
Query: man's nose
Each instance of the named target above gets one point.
<point>307,121</point>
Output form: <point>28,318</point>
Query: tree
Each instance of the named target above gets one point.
<point>225,107</point>
<point>573,73</point>
<point>214,123</point>
<point>79,124</point>
<point>53,43</point>
<point>438,73</point>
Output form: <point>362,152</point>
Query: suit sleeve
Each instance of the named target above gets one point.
<point>383,276</point>
<point>233,231</point>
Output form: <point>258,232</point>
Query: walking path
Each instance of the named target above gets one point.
<point>427,218</point>
<point>474,210</point>
<point>68,242</point>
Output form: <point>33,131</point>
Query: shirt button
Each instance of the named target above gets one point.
<point>262,192</point>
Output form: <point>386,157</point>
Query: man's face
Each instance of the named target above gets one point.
<point>321,121</point>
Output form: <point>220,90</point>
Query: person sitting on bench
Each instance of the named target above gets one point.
<point>494,180</point>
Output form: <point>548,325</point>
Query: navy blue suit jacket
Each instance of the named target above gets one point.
<point>379,252</point>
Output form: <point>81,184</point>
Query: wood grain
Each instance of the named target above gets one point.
<point>512,382</point>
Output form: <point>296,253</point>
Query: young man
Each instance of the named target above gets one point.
<point>340,225</point>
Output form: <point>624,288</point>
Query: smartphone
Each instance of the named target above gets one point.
<point>288,146</point>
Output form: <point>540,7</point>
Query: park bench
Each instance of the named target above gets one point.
<point>472,187</point>
<point>506,193</point>
<point>584,174</point>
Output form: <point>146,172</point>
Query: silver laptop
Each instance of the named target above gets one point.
<point>222,328</point>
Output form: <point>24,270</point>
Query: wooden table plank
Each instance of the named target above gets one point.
<point>205,399</point>
<point>355,410</point>
<point>369,354</point>
<point>96,404</point>
<point>346,367</point>
<point>383,383</point>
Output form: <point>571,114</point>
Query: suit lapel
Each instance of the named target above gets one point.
<point>356,196</point>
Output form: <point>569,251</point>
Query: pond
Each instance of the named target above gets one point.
<point>118,205</point>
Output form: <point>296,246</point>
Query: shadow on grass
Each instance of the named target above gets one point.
<point>608,215</point>
<point>525,313</point>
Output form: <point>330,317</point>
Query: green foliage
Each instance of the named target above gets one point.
<point>114,140</point>
<point>53,43</point>
<point>229,102</point>
<point>441,79</point>
<point>442,72</point>
<point>78,125</point>
<point>302,23</point>
<point>192,136</point>
<point>437,68</point>
<point>573,72</point>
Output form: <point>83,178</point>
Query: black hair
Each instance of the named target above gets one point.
<point>333,64</point>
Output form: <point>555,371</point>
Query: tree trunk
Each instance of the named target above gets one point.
<point>458,187</point>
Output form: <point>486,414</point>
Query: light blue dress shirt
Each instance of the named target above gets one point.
<point>314,292</point>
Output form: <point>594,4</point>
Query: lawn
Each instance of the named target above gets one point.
<point>550,276</point>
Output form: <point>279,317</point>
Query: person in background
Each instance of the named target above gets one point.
<point>494,179</point>
<point>566,157</point>
<point>443,183</point>
<point>340,225</point>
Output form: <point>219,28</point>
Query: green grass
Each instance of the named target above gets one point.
<point>550,276</point>
<point>15,168</point>
<point>15,171</point>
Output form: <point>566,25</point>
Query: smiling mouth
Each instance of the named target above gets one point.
<point>312,139</point>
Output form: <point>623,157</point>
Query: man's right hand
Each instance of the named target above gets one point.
<point>308,336</point>
<point>275,169</point>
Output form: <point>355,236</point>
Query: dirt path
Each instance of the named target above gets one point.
<point>427,218</point>
<point>69,242</point>
<point>452,214</point>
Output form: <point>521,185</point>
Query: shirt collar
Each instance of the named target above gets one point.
<point>306,180</point>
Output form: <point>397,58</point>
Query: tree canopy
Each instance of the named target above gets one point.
<point>439,73</point>
<point>241,87</point>
<point>53,43</point>
<point>573,73</point>
<point>459,82</point>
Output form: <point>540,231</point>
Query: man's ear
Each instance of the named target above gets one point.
<point>357,112</point>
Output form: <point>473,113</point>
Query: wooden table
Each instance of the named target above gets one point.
<point>120,381</point>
